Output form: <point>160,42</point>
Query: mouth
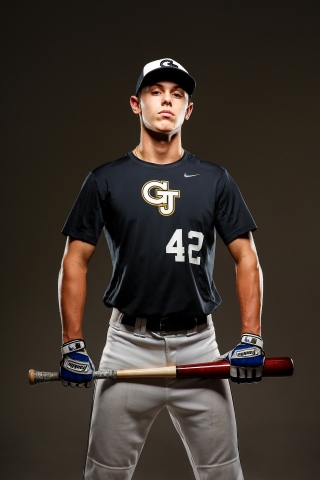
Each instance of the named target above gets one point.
<point>166,113</point>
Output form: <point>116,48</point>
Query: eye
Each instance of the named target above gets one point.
<point>177,94</point>
<point>156,92</point>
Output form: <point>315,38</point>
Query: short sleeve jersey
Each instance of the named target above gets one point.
<point>160,222</point>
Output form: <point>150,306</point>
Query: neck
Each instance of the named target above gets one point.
<point>159,148</point>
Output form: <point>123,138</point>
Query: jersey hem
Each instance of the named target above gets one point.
<point>134,312</point>
<point>77,236</point>
<point>240,231</point>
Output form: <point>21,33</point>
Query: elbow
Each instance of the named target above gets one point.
<point>72,265</point>
<point>250,264</point>
<point>250,259</point>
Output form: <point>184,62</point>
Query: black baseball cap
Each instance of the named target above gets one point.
<point>166,69</point>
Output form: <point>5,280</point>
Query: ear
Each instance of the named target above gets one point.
<point>189,110</point>
<point>135,105</point>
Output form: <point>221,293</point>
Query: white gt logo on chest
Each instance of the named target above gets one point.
<point>163,198</point>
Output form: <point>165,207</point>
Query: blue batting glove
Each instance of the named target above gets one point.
<point>76,367</point>
<point>246,359</point>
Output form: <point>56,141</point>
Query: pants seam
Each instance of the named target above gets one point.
<point>219,464</point>
<point>111,468</point>
<point>147,436</point>
<point>186,445</point>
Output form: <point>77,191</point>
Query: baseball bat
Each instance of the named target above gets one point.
<point>273,367</point>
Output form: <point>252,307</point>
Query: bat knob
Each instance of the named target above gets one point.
<point>31,377</point>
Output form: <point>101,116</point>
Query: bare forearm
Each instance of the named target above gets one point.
<point>249,284</point>
<point>72,296</point>
<point>73,288</point>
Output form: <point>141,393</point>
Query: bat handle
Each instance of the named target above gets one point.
<point>36,377</point>
<point>40,377</point>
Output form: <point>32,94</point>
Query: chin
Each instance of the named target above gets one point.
<point>165,128</point>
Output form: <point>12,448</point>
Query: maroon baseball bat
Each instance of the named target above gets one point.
<point>273,367</point>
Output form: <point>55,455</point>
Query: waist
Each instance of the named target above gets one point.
<point>172,323</point>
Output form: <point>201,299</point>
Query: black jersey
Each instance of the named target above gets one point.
<point>160,222</point>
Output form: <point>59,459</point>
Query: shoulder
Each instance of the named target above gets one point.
<point>216,174</point>
<point>210,167</point>
<point>219,177</point>
<point>107,168</point>
<point>98,178</point>
<point>109,172</point>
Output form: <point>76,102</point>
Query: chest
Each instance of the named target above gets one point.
<point>161,199</point>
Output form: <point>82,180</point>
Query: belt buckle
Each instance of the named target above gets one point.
<point>162,326</point>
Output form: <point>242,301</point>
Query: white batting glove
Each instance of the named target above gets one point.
<point>246,359</point>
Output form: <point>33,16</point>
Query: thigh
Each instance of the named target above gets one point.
<point>202,410</point>
<point>203,414</point>
<point>123,411</point>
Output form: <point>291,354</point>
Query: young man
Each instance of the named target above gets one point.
<point>159,207</point>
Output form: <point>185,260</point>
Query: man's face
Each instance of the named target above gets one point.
<point>163,107</point>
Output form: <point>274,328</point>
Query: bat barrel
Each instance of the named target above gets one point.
<point>219,369</point>
<point>278,367</point>
<point>273,367</point>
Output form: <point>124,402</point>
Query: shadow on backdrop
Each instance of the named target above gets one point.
<point>69,69</point>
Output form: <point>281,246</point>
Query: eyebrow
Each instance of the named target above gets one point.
<point>160,85</point>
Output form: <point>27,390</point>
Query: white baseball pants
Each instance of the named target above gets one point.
<point>124,410</point>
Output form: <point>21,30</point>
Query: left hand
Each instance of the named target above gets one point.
<point>246,359</point>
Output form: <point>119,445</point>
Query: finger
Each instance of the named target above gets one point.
<point>234,374</point>
<point>225,356</point>
<point>258,374</point>
<point>242,375</point>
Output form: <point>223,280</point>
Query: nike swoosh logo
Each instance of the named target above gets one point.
<point>191,175</point>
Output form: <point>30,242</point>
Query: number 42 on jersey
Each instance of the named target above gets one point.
<point>175,245</point>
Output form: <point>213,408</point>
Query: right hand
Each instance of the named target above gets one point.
<point>76,367</point>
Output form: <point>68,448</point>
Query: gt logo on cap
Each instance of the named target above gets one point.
<point>165,69</point>
<point>168,63</point>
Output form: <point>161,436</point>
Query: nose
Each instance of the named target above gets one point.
<point>166,99</point>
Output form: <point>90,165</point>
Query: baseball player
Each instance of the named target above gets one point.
<point>160,208</point>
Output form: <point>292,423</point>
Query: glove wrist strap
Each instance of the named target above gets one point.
<point>252,339</point>
<point>73,346</point>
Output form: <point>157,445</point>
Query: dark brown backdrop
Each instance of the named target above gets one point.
<point>68,71</point>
